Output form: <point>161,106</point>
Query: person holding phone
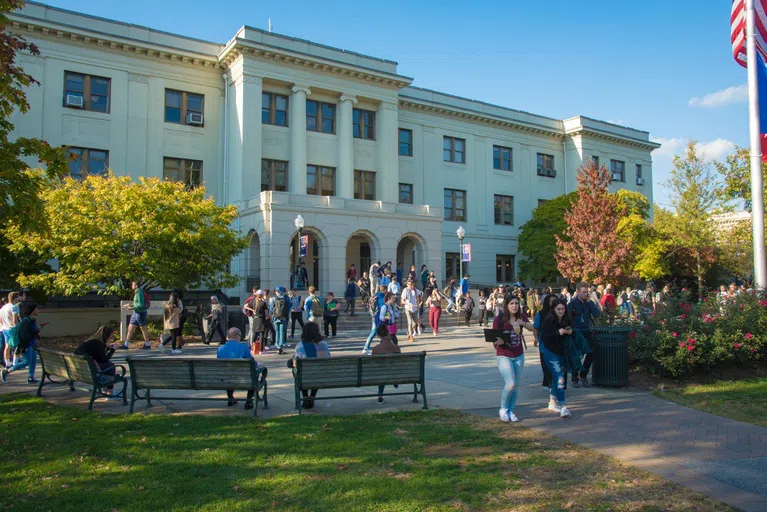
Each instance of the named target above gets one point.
<point>554,329</point>
<point>510,355</point>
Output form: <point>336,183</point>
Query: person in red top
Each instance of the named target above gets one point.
<point>510,356</point>
<point>608,303</point>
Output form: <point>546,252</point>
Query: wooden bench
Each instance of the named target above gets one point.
<point>359,371</point>
<point>149,374</point>
<point>74,368</point>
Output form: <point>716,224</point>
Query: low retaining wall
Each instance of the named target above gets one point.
<point>75,321</point>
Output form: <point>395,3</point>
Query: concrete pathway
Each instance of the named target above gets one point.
<point>722,458</point>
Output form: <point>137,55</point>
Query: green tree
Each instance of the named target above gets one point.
<point>20,186</point>
<point>736,175</point>
<point>537,239</point>
<point>106,231</point>
<point>648,257</point>
<point>693,188</point>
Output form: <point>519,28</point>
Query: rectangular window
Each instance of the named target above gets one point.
<point>320,181</point>
<point>86,92</point>
<point>85,161</point>
<point>274,109</point>
<point>274,175</point>
<point>186,171</point>
<point>504,268</point>
<point>595,161</point>
<point>639,170</point>
<point>618,170</point>
<point>546,165</point>
<point>179,105</point>
<point>405,142</point>
<point>504,210</point>
<point>363,124</point>
<point>365,185</point>
<point>541,202</point>
<point>455,205</point>
<point>406,193</point>
<point>454,150</point>
<point>320,117</point>
<point>501,158</point>
<point>453,266</point>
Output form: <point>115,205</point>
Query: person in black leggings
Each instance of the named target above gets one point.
<point>296,311</point>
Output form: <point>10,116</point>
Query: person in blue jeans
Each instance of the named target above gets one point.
<point>549,301</point>
<point>374,310</point>
<point>581,310</point>
<point>26,334</point>
<point>554,328</point>
<point>279,308</point>
<point>233,349</point>
<point>510,355</point>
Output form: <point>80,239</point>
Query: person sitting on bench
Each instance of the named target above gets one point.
<point>311,345</point>
<point>233,349</point>
<point>386,346</point>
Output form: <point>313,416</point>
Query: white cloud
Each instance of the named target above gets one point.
<point>734,94</point>
<point>716,149</point>
<point>669,147</point>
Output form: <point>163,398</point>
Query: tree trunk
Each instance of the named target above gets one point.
<point>700,277</point>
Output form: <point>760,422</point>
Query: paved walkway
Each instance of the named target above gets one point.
<point>722,458</point>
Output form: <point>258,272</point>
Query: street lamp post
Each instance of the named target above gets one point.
<point>461,233</point>
<point>299,222</point>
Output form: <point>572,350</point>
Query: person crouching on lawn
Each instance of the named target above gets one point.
<point>233,349</point>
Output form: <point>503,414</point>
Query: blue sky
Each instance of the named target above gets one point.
<point>655,65</point>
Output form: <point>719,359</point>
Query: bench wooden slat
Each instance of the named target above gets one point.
<point>55,365</point>
<point>79,369</point>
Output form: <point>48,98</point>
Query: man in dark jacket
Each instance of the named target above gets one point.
<point>350,296</point>
<point>582,309</point>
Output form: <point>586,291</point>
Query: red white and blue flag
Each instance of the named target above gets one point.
<point>738,39</point>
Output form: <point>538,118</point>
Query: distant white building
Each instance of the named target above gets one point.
<point>725,222</point>
<point>280,127</point>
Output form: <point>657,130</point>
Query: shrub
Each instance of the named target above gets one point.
<point>681,336</point>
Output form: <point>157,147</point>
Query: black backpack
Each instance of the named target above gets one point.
<point>279,308</point>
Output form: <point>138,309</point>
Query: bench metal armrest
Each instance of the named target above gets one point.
<point>101,371</point>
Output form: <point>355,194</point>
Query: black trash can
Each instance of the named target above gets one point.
<point>611,356</point>
<point>237,319</point>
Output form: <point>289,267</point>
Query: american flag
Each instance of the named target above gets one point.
<point>738,29</point>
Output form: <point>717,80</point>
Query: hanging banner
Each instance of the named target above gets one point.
<point>304,246</point>
<point>466,252</point>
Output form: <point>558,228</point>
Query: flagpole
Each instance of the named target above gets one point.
<point>757,194</point>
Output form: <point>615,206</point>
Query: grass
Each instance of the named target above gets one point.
<point>62,459</point>
<point>743,400</point>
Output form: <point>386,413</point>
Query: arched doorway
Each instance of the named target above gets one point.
<point>310,261</point>
<point>253,262</point>
<point>411,250</point>
<point>361,250</point>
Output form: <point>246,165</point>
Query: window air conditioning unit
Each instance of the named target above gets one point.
<point>551,173</point>
<point>194,118</point>
<point>640,181</point>
<point>73,100</point>
<point>617,176</point>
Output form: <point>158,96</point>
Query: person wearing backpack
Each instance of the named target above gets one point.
<point>249,310</point>
<point>9,319</point>
<point>138,318</point>
<point>280,309</point>
<point>314,306</point>
<point>26,336</point>
<point>387,315</point>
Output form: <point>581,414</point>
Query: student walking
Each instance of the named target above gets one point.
<point>510,356</point>
<point>549,302</point>
<point>138,318</point>
<point>350,296</point>
<point>411,276</point>
<point>435,310</point>
<point>411,300</point>
<point>450,291</point>
<point>9,318</point>
<point>332,310</point>
<point>25,341</point>
<point>296,311</point>
<point>374,273</point>
<point>554,328</point>
<point>374,307</point>
<point>351,273</point>
<point>468,307</point>
<point>172,324</point>
<point>387,315</point>
<point>424,277</point>
<point>580,312</point>
<point>214,322</point>
<point>482,305</point>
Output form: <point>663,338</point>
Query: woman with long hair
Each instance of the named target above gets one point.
<point>549,301</point>
<point>555,328</point>
<point>172,323</point>
<point>27,334</point>
<point>510,355</point>
<point>434,301</point>
<point>214,322</point>
<point>311,345</point>
<point>98,347</point>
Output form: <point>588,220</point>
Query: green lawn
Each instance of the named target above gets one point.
<point>744,400</point>
<point>63,459</point>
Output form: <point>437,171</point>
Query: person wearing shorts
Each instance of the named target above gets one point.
<point>138,318</point>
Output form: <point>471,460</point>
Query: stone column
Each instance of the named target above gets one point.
<point>345,175</point>
<point>387,180</point>
<point>297,172</point>
<point>245,138</point>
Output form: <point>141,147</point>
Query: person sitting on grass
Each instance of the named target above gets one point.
<point>97,346</point>
<point>311,345</point>
<point>386,346</point>
<point>233,349</point>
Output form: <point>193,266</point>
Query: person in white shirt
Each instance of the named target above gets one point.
<point>411,299</point>
<point>375,278</point>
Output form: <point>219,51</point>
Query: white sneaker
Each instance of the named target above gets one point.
<point>266,349</point>
<point>161,348</point>
<point>176,352</point>
<point>513,417</point>
<point>553,406</point>
<point>366,352</point>
<point>564,413</point>
<point>504,414</point>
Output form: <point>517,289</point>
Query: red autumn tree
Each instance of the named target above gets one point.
<point>591,249</point>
